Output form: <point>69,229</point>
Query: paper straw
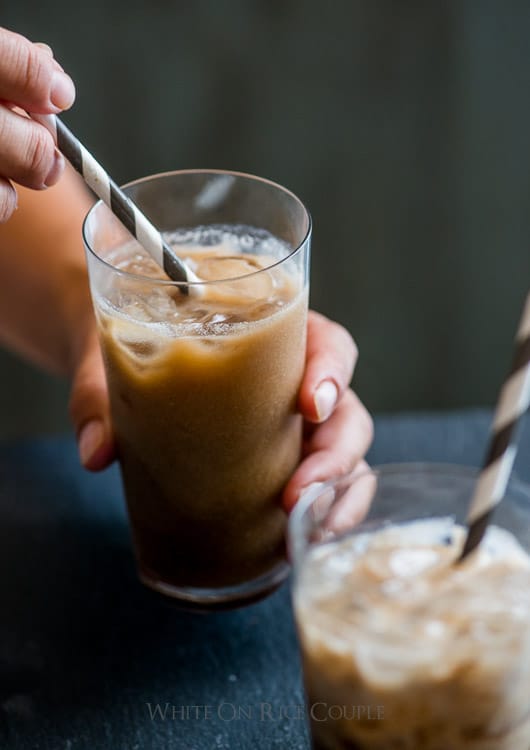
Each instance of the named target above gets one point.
<point>121,206</point>
<point>513,402</point>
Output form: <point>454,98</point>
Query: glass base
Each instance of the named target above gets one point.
<point>229,597</point>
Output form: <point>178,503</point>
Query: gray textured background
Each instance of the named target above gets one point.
<point>403,125</point>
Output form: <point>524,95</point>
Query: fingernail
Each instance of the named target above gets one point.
<point>62,93</point>
<point>49,122</point>
<point>45,47</point>
<point>314,486</point>
<point>319,498</point>
<point>90,440</point>
<point>56,170</point>
<point>325,398</point>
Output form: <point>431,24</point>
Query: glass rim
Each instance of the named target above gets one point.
<point>392,469</point>
<point>206,282</point>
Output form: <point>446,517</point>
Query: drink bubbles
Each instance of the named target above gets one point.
<point>214,253</point>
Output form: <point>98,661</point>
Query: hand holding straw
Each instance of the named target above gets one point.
<point>512,404</point>
<point>120,204</point>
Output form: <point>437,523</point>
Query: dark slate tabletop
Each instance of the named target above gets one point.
<point>89,660</point>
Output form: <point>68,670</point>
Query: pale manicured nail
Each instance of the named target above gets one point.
<point>49,123</point>
<point>320,500</point>
<point>45,47</point>
<point>62,93</point>
<point>90,440</point>
<point>326,396</point>
<point>56,171</point>
<point>309,488</point>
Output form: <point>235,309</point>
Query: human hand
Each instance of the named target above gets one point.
<point>30,81</point>
<point>89,403</point>
<point>337,431</point>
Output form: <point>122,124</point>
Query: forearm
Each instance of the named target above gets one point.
<point>45,309</point>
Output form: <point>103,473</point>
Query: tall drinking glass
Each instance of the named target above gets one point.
<point>204,377</point>
<point>403,646</point>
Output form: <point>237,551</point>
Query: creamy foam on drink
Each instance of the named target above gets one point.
<point>387,620</point>
<point>203,395</point>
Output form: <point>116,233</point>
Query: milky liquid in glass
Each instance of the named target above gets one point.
<point>402,648</point>
<point>203,395</point>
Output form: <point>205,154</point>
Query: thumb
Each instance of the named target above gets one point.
<point>89,410</point>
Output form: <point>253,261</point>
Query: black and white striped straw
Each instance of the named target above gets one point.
<point>122,206</point>
<point>514,400</point>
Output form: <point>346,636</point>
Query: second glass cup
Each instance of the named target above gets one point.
<point>204,378</point>
<point>403,646</point>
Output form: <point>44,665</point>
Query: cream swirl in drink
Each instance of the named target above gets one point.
<point>418,652</point>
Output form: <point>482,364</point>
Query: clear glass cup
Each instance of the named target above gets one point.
<point>401,646</point>
<point>203,384</point>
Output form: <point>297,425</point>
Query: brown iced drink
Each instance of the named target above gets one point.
<point>203,395</point>
<point>404,649</point>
